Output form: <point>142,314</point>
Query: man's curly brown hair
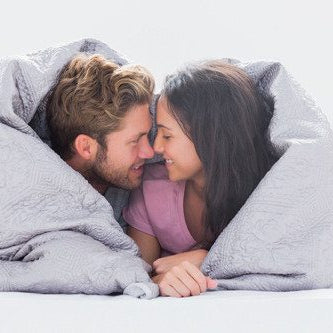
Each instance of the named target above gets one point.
<point>91,97</point>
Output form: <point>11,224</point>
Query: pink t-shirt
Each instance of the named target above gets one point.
<point>157,209</point>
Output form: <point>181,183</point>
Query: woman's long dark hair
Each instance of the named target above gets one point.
<point>221,110</point>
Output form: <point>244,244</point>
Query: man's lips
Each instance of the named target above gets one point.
<point>137,168</point>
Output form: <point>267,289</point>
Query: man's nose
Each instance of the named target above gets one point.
<point>146,151</point>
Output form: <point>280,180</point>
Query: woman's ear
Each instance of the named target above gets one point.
<point>86,147</point>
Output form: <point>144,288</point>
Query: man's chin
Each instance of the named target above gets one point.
<point>129,184</point>
<point>135,184</point>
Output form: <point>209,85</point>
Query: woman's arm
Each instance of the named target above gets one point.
<point>195,257</point>
<point>149,246</point>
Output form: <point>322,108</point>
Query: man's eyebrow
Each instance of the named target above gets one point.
<point>138,136</point>
<point>162,126</point>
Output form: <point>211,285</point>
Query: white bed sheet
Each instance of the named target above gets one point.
<point>217,311</point>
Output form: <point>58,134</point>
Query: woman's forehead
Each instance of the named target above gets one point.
<point>163,112</point>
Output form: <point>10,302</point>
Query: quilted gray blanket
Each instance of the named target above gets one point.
<point>57,234</point>
<point>282,238</point>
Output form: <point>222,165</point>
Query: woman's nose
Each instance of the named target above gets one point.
<point>158,147</point>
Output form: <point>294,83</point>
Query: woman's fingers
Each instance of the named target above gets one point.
<point>159,267</point>
<point>196,275</point>
<point>172,279</point>
<point>183,280</point>
<point>167,290</point>
<point>187,280</point>
<point>164,282</point>
<point>211,284</point>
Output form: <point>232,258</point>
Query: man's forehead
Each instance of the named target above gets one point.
<point>137,112</point>
<point>136,121</point>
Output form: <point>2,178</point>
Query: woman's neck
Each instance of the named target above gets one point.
<point>194,205</point>
<point>196,185</point>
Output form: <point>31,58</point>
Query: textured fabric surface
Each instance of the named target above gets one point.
<point>282,238</point>
<point>57,234</point>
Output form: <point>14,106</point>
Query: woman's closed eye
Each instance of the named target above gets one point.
<point>166,137</point>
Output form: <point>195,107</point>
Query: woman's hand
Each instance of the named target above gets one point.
<point>183,280</point>
<point>163,265</point>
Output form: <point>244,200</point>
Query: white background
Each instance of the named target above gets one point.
<point>162,35</point>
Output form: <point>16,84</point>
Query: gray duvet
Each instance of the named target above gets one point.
<point>58,235</point>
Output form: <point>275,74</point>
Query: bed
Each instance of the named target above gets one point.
<point>222,311</point>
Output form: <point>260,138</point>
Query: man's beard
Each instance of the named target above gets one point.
<point>102,174</point>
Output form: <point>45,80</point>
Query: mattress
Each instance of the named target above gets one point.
<point>215,311</point>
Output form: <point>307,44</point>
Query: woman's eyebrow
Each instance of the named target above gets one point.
<point>163,126</point>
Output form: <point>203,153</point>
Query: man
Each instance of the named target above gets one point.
<point>98,116</point>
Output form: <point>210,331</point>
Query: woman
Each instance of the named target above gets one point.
<point>212,133</point>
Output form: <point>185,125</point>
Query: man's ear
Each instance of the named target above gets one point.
<point>86,147</point>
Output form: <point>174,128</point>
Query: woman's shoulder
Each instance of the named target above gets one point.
<point>155,171</point>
